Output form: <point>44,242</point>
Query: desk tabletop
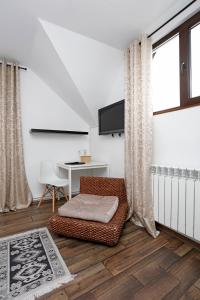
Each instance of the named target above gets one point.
<point>91,165</point>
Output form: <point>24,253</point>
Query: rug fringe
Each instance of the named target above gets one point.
<point>47,288</point>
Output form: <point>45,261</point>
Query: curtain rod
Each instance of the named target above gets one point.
<point>20,67</point>
<point>178,13</point>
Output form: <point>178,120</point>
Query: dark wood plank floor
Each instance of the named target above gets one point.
<point>139,267</point>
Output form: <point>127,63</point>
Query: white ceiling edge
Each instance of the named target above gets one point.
<point>189,12</point>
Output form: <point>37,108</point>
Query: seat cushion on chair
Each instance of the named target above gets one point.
<point>90,207</point>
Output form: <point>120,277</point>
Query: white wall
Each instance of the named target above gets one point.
<point>176,142</point>
<point>97,72</point>
<point>105,147</point>
<point>177,138</point>
<point>108,149</point>
<point>176,135</point>
<point>42,108</point>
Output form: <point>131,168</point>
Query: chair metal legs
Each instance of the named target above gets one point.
<point>54,191</point>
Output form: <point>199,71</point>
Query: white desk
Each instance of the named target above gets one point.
<point>88,166</point>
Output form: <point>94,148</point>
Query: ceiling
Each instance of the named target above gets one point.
<point>112,22</point>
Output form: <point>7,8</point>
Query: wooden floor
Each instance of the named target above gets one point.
<point>139,267</point>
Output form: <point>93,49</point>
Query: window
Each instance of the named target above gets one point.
<point>166,73</point>
<point>176,68</point>
<point>195,61</point>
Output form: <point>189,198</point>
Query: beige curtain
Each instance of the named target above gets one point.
<point>138,134</point>
<point>14,189</point>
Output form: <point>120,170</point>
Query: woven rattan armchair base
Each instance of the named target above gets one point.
<point>106,233</point>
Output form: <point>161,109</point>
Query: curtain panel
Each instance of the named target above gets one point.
<point>14,189</point>
<point>138,134</point>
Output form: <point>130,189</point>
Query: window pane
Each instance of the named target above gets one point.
<point>195,61</point>
<point>165,71</point>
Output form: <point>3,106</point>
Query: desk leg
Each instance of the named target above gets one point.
<point>70,183</point>
<point>108,171</point>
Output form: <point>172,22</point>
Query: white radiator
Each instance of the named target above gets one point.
<point>176,195</point>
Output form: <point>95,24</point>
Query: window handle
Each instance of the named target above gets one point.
<point>183,66</point>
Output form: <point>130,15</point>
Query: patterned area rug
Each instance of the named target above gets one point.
<point>30,265</point>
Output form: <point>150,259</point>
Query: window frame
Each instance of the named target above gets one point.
<point>186,101</point>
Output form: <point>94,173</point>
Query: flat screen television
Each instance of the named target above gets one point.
<point>111,118</point>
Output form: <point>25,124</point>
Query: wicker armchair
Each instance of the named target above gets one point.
<point>106,233</point>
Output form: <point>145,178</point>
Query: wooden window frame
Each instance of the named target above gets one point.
<point>186,101</point>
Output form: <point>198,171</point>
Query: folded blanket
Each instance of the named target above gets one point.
<point>90,207</point>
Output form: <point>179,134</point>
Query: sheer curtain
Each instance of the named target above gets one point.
<point>14,189</point>
<point>138,134</point>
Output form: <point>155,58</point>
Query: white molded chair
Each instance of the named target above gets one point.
<point>53,183</point>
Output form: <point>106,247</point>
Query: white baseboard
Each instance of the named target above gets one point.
<point>37,199</point>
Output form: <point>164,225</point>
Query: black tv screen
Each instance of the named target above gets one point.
<point>111,118</point>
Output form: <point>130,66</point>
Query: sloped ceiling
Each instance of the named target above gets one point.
<point>75,46</point>
<point>91,64</point>
<point>47,63</point>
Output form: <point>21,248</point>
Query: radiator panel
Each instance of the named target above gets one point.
<point>176,196</point>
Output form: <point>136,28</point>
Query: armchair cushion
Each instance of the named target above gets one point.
<point>90,207</point>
